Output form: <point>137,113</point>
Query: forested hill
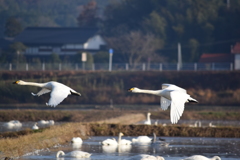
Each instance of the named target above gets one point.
<point>213,88</point>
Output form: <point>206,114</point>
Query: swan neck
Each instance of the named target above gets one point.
<point>59,153</point>
<point>148,117</point>
<point>119,138</point>
<point>156,92</point>
<point>33,84</point>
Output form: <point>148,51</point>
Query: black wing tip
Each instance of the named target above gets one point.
<point>75,93</point>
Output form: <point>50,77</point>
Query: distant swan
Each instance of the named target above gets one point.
<point>211,125</point>
<point>110,142</point>
<point>170,95</point>
<point>145,157</point>
<point>13,124</point>
<point>44,123</point>
<point>76,140</point>
<point>74,154</point>
<point>200,157</point>
<point>58,91</point>
<point>142,139</point>
<point>119,142</point>
<point>35,127</point>
<point>148,121</point>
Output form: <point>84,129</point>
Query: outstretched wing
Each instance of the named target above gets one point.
<point>173,87</point>
<point>177,105</point>
<point>165,103</point>
<point>58,94</point>
<point>41,92</point>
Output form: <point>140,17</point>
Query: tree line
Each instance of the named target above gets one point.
<point>139,30</point>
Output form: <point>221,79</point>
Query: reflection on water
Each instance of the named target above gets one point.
<point>226,148</point>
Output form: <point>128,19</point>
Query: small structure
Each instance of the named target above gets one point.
<point>62,41</point>
<point>235,50</point>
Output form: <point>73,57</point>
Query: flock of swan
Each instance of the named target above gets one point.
<point>121,143</point>
<point>171,96</point>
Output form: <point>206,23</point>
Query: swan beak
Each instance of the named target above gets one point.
<point>130,90</point>
<point>16,82</point>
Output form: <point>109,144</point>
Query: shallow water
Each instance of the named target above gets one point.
<point>226,148</point>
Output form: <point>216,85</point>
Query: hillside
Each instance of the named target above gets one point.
<point>209,88</point>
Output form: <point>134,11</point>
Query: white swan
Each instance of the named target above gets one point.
<point>211,125</point>
<point>35,127</point>
<point>58,91</point>
<point>74,154</point>
<point>142,139</point>
<point>110,142</point>
<point>119,142</point>
<point>13,124</point>
<point>44,123</point>
<point>148,121</point>
<point>170,95</point>
<point>145,157</point>
<point>77,140</point>
<point>200,157</point>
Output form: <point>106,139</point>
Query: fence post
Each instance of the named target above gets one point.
<point>160,66</point>
<point>126,66</point>
<point>59,66</point>
<point>178,66</point>
<point>10,66</point>
<point>144,67</point>
<point>43,66</point>
<point>93,67</point>
<point>26,66</point>
<point>195,66</point>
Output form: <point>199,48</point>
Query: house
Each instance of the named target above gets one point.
<point>216,58</point>
<point>235,50</point>
<point>62,41</point>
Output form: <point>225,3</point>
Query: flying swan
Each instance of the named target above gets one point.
<point>74,154</point>
<point>170,95</point>
<point>58,91</point>
<point>200,157</point>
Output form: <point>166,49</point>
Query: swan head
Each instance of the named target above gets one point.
<point>134,90</point>
<point>121,134</point>
<point>20,82</point>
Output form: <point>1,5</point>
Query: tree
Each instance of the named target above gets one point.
<point>12,27</point>
<point>88,16</point>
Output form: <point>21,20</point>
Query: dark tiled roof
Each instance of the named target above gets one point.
<point>55,36</point>
<point>219,57</point>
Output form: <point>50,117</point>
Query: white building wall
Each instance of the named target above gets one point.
<point>94,43</point>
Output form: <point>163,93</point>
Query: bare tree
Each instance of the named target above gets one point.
<point>135,46</point>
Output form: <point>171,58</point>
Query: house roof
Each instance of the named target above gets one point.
<point>219,57</point>
<point>55,35</point>
<point>236,48</point>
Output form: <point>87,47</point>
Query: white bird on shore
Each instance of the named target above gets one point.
<point>35,127</point>
<point>200,157</point>
<point>148,121</point>
<point>145,157</point>
<point>58,91</point>
<point>73,154</point>
<point>170,95</point>
<point>13,124</point>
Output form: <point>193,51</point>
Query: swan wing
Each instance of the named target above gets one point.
<point>177,105</point>
<point>173,87</point>
<point>165,103</point>
<point>58,94</point>
<point>41,92</point>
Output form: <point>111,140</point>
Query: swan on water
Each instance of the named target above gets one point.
<point>119,142</point>
<point>35,127</point>
<point>73,154</point>
<point>171,95</point>
<point>44,123</point>
<point>76,140</point>
<point>142,139</point>
<point>58,91</point>
<point>13,124</point>
<point>145,157</point>
<point>148,121</point>
<point>200,157</point>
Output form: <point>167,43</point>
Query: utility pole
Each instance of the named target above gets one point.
<point>179,56</point>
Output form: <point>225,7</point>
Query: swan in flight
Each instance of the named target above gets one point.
<point>148,121</point>
<point>35,127</point>
<point>170,95</point>
<point>200,157</point>
<point>73,154</point>
<point>58,91</point>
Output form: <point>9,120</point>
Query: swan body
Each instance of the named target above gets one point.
<point>211,125</point>
<point>119,142</point>
<point>110,142</point>
<point>35,127</point>
<point>145,157</point>
<point>13,124</point>
<point>45,123</point>
<point>148,121</point>
<point>142,139</point>
<point>200,157</point>
<point>171,95</point>
<point>58,91</point>
<point>77,140</point>
<point>74,154</point>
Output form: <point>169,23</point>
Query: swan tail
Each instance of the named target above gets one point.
<point>34,94</point>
